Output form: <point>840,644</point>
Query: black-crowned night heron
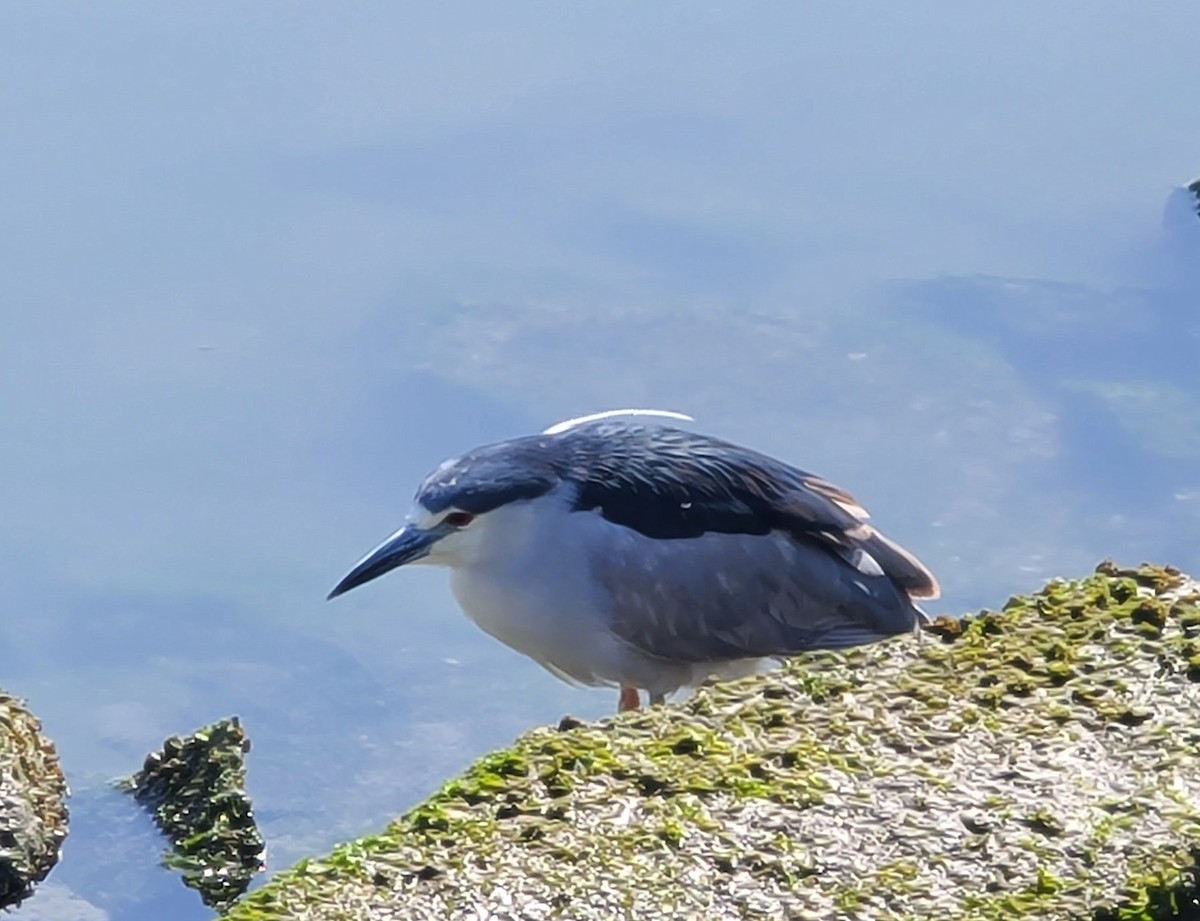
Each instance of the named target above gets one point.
<point>648,557</point>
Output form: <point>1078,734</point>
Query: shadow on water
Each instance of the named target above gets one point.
<point>1116,368</point>
<point>112,858</point>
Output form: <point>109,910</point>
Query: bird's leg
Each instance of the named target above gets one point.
<point>629,700</point>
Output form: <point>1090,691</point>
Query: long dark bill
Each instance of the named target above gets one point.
<point>405,546</point>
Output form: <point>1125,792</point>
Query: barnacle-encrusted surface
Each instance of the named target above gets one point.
<point>1038,762</point>
<point>195,788</point>
<point>33,812</point>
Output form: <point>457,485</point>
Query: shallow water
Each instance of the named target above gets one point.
<point>264,268</point>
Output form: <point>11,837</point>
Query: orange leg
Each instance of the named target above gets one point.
<point>629,700</point>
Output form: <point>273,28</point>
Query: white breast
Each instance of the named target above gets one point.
<point>526,581</point>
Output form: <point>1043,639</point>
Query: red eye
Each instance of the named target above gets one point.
<point>458,519</point>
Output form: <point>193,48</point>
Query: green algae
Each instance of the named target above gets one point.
<point>1037,761</point>
<point>33,812</point>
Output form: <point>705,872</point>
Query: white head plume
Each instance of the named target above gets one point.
<point>560,427</point>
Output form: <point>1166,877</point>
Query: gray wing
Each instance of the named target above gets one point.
<point>726,553</point>
<point>731,596</point>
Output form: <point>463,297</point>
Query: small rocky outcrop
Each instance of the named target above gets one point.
<point>33,811</point>
<point>195,788</point>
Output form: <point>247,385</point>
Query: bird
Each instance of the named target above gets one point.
<point>617,549</point>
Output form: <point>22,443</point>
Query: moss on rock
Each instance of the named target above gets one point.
<point>1038,761</point>
<point>33,812</point>
<point>195,789</point>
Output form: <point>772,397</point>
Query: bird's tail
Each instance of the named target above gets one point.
<point>902,567</point>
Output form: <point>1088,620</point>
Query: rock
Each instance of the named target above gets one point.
<point>195,789</point>
<point>1038,761</point>
<point>33,811</point>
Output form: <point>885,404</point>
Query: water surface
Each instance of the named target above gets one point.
<point>264,266</point>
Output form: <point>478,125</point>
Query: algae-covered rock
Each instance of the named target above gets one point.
<point>195,788</point>
<point>1034,762</point>
<point>33,812</point>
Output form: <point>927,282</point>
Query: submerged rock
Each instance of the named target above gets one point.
<point>33,812</point>
<point>1034,762</point>
<point>195,789</point>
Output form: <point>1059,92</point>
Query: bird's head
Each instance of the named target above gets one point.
<point>453,508</point>
<point>456,516</point>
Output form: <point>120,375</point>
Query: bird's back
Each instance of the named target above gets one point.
<point>717,552</point>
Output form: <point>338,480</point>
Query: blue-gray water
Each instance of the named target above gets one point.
<point>264,265</point>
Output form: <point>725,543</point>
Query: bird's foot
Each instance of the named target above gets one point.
<point>629,700</point>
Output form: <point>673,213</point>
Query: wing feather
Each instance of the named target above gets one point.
<point>666,483</point>
<point>733,596</point>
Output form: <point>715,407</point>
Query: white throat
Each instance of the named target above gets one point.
<point>521,573</point>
